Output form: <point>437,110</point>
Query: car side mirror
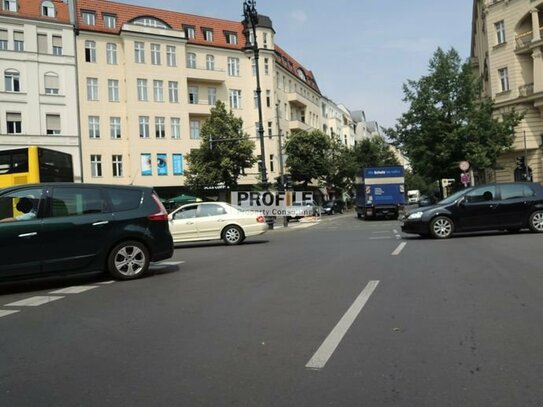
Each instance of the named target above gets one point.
<point>461,202</point>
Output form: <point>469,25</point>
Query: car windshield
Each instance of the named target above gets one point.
<point>454,197</point>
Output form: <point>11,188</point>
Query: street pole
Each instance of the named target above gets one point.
<point>526,168</point>
<point>281,165</point>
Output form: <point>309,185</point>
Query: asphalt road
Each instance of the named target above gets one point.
<point>342,313</point>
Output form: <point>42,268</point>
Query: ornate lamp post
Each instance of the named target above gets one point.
<point>251,48</point>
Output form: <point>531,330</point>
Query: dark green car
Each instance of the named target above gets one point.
<point>62,228</point>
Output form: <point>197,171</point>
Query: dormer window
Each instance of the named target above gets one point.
<point>47,9</point>
<point>208,34</point>
<point>190,32</point>
<point>151,22</point>
<point>10,5</point>
<point>301,74</point>
<point>89,17</point>
<point>110,21</point>
<point>231,38</point>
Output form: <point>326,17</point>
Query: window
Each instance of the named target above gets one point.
<point>231,38</point>
<point>146,165</point>
<point>193,95</point>
<point>173,92</point>
<point>10,5</point>
<point>160,127</point>
<point>255,98</point>
<point>253,66</point>
<point>208,34</point>
<point>139,52</point>
<point>504,79</point>
<point>512,191</point>
<point>47,9</point>
<point>195,129</point>
<point>235,99</point>
<point>4,39</point>
<point>51,84</point>
<point>162,164</point>
<point>171,56</point>
<point>158,90</point>
<point>111,53</point>
<point>150,22</point>
<point>90,51</point>
<point>89,17</point>
<point>92,89</point>
<point>94,127</point>
<point>144,126</point>
<point>272,161</point>
<point>266,66</point>
<point>177,164</point>
<point>113,90</point>
<point>210,210</point>
<point>18,41</point>
<point>57,45</point>
<point>115,128</point>
<point>500,32</point>
<point>210,62</point>
<point>11,81</point>
<point>191,60</point>
<point>78,201</point>
<point>265,41</point>
<point>176,127</point>
<point>190,32</point>
<point>117,165</point>
<point>14,123</point>
<point>481,194</point>
<point>212,96</point>
<point>142,90</point>
<point>270,133</point>
<point>52,123</point>
<point>155,54</point>
<point>188,212</point>
<point>110,21</point>
<point>268,98</point>
<point>233,66</point>
<point>124,199</point>
<point>96,166</point>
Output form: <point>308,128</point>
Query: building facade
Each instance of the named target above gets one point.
<point>38,96</point>
<point>506,53</point>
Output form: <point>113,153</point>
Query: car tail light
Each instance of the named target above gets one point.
<point>261,219</point>
<point>162,214</point>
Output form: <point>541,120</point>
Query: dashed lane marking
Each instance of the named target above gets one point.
<point>398,249</point>
<point>34,301</point>
<point>5,313</point>
<point>74,289</point>
<point>168,263</point>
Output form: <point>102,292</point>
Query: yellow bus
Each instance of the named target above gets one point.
<point>34,164</point>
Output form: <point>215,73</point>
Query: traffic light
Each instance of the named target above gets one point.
<point>521,163</point>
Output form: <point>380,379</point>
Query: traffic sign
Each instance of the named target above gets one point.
<point>464,178</point>
<point>464,165</point>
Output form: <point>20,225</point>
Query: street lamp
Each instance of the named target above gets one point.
<point>251,48</point>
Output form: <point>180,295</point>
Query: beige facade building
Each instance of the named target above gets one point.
<point>506,53</point>
<point>38,96</point>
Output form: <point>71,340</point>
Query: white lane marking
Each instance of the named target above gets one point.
<point>34,301</point>
<point>399,249</point>
<point>395,231</point>
<point>168,263</point>
<point>321,356</point>
<point>74,290</point>
<point>107,282</point>
<point>4,313</point>
<point>380,237</point>
<point>380,231</point>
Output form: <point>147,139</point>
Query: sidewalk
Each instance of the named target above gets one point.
<point>303,223</point>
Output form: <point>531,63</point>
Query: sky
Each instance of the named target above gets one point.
<point>361,52</point>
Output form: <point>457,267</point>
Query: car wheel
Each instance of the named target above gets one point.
<point>536,222</point>
<point>232,235</point>
<point>128,260</point>
<point>441,227</point>
<point>341,211</point>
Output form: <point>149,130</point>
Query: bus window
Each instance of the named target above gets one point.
<point>55,166</point>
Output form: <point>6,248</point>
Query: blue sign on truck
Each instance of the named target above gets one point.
<point>380,192</point>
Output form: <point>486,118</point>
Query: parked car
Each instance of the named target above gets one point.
<point>63,228</point>
<point>333,206</point>
<point>215,221</point>
<point>508,206</point>
<point>300,210</point>
<point>426,200</point>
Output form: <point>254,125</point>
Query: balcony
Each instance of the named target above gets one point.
<point>526,90</point>
<point>296,98</point>
<point>523,41</point>
<point>298,124</point>
<point>201,74</point>
<point>202,108</point>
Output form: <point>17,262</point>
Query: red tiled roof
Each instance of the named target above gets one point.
<point>32,9</point>
<point>290,64</point>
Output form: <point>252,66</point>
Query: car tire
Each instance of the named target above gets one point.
<point>232,235</point>
<point>128,260</point>
<point>536,221</point>
<point>441,227</point>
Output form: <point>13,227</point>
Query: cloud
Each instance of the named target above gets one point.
<point>299,16</point>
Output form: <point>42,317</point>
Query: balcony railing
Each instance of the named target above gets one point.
<point>523,40</point>
<point>526,90</point>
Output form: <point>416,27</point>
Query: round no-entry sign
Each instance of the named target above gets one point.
<point>464,165</point>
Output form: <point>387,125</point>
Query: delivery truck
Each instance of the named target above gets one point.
<point>380,192</point>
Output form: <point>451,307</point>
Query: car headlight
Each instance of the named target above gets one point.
<point>415,215</point>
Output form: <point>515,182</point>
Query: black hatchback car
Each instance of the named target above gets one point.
<point>508,206</point>
<point>63,228</point>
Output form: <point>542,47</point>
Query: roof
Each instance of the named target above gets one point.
<point>31,9</point>
<point>291,65</point>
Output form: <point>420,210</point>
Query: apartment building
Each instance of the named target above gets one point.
<point>506,53</point>
<point>38,96</point>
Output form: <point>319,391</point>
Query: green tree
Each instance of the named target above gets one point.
<point>342,167</point>
<point>448,121</point>
<point>308,155</point>
<point>225,151</point>
<point>373,152</point>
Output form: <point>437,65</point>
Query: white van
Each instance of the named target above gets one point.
<point>413,196</point>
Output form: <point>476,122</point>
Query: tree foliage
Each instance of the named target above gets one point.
<point>374,152</point>
<point>448,121</point>
<point>342,167</point>
<point>225,151</point>
<point>308,155</point>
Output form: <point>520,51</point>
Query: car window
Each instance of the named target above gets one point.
<point>76,201</point>
<point>124,199</point>
<point>481,194</point>
<point>23,204</point>
<point>529,190</point>
<point>186,213</point>
<point>210,210</point>
<point>512,191</point>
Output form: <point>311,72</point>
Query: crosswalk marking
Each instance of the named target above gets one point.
<point>74,289</point>
<point>4,313</point>
<point>168,263</point>
<point>34,301</point>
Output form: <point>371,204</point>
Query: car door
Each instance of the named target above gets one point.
<point>479,209</point>
<point>515,204</point>
<point>210,220</point>
<point>77,222</point>
<point>20,237</point>
<point>182,224</point>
